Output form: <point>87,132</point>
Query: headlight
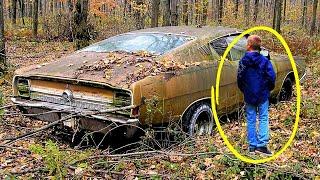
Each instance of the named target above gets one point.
<point>23,87</point>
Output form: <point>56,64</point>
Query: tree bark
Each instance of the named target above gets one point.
<point>219,10</point>
<point>314,17</point>
<point>205,12</point>
<point>80,25</point>
<point>138,15</point>
<point>304,13</point>
<point>14,11</point>
<point>2,40</point>
<point>35,18</point>
<point>174,13</point>
<point>247,12</point>
<point>236,8</point>
<point>21,3</point>
<point>284,10</point>
<point>167,13</point>
<point>256,10</point>
<point>185,12</point>
<point>155,13</point>
<point>278,7</point>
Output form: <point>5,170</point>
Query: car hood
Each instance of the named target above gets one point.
<point>118,69</point>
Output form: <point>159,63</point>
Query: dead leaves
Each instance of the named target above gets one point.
<point>133,66</point>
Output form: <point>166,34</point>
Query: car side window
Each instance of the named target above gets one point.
<point>238,50</point>
<point>220,45</point>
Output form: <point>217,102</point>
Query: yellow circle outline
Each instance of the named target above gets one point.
<point>216,97</point>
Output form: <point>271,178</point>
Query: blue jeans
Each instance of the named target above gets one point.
<point>260,137</point>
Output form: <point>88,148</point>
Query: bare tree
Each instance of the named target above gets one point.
<point>314,17</point>
<point>166,14</point>
<point>246,12</point>
<point>80,24</point>
<point>22,6</point>
<point>155,13</point>
<point>174,13</point>
<point>284,10</point>
<point>35,18</point>
<point>2,39</point>
<point>170,15</point>
<point>276,24</point>
<point>219,11</point>
<point>14,11</point>
<point>304,13</point>
<point>256,10</point>
<point>236,8</point>
<point>205,12</point>
<point>185,16</point>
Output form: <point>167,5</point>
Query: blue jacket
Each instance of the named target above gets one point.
<point>256,78</point>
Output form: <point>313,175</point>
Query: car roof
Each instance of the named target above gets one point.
<point>199,32</point>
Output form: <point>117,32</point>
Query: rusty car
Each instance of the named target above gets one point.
<point>148,77</point>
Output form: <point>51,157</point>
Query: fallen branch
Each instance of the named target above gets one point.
<point>12,147</point>
<point>4,107</point>
<point>10,140</point>
<point>147,153</point>
<point>29,171</point>
<point>120,173</point>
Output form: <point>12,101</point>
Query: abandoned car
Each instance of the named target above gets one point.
<point>148,77</point>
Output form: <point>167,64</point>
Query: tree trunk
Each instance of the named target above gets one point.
<point>185,12</point>
<point>284,10</point>
<point>21,3</point>
<point>174,13</point>
<point>274,14</point>
<point>256,10</point>
<point>166,14</point>
<point>314,17</point>
<point>80,27</point>
<point>219,10</point>
<point>236,8</point>
<point>191,11</point>
<point>14,11</point>
<point>304,13</point>
<point>35,18</point>
<point>247,12</point>
<point>138,15</point>
<point>278,7</point>
<point>2,40</point>
<point>155,13</point>
<point>205,12</point>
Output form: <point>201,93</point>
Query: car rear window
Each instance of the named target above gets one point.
<point>155,43</point>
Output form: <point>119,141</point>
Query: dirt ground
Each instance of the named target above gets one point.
<point>45,155</point>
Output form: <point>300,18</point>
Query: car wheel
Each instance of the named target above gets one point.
<point>199,120</point>
<point>286,90</point>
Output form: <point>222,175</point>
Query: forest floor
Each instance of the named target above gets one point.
<point>45,155</point>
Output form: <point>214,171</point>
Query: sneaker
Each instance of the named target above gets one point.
<point>264,150</point>
<point>252,149</point>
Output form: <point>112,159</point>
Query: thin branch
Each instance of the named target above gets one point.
<point>10,140</point>
<point>8,106</point>
<point>12,147</point>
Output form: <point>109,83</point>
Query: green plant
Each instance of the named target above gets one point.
<point>53,158</point>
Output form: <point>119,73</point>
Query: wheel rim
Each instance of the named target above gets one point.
<point>204,124</point>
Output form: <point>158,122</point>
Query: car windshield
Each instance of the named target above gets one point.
<point>155,43</point>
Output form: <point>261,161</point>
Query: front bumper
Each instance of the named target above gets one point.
<point>37,106</point>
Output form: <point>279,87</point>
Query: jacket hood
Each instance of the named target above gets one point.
<point>252,59</point>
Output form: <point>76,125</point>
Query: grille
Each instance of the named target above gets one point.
<point>76,103</point>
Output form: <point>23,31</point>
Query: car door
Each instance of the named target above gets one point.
<point>231,97</point>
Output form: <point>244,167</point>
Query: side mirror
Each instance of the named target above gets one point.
<point>265,53</point>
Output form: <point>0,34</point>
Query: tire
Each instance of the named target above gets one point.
<point>198,120</point>
<point>286,91</point>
